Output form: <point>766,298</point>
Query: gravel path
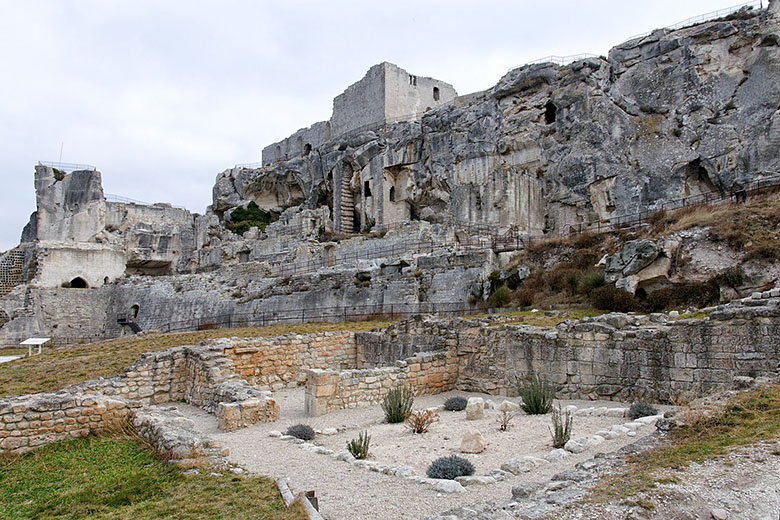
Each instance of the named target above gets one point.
<point>349,492</point>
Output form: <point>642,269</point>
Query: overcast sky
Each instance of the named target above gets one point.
<point>162,95</point>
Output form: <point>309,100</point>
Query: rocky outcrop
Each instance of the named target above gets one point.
<point>672,114</point>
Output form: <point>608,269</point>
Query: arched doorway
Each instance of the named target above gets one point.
<point>79,283</point>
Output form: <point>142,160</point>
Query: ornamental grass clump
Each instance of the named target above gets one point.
<point>450,468</point>
<point>537,396</point>
<point>561,430</point>
<point>397,404</point>
<point>359,447</point>
<point>641,409</point>
<point>301,431</point>
<point>455,404</point>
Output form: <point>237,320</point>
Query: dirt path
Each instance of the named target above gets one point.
<point>349,492</point>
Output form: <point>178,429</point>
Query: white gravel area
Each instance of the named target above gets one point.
<point>349,492</point>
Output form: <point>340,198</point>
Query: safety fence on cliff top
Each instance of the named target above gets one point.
<point>262,318</point>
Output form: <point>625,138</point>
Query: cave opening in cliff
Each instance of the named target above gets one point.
<point>550,112</point>
<point>436,94</point>
<point>307,149</point>
<point>366,189</point>
<point>79,283</point>
<point>392,193</point>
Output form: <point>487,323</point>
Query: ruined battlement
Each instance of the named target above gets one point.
<point>386,94</point>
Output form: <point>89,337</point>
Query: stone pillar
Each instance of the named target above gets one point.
<point>320,388</point>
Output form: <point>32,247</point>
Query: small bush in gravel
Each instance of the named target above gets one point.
<point>561,430</point>
<point>537,396</point>
<point>301,431</point>
<point>420,420</point>
<point>359,447</point>
<point>397,404</point>
<point>641,409</point>
<point>450,468</point>
<point>455,404</point>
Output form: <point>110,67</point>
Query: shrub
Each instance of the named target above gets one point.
<point>732,277</point>
<point>587,240</point>
<point>420,420</point>
<point>691,294</point>
<point>563,279</point>
<point>610,298</point>
<point>500,298</point>
<point>242,219</point>
<point>537,396</point>
<point>641,409</point>
<point>505,420</point>
<point>561,430</point>
<point>455,404</point>
<point>397,404</point>
<point>524,297</point>
<point>359,447</point>
<point>450,468</point>
<point>301,431</point>
<point>591,281</point>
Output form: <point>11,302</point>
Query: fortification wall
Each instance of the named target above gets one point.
<point>408,96</point>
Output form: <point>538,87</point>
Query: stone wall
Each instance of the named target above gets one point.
<point>199,375</point>
<point>403,340</point>
<point>425,373</point>
<point>625,357</point>
<point>280,362</point>
<point>31,421</point>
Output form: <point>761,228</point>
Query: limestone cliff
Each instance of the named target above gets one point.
<point>668,115</point>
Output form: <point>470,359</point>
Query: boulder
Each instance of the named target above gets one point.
<point>475,408</point>
<point>508,406</point>
<point>473,442</point>
<point>522,464</point>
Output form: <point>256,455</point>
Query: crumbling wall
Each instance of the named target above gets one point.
<point>425,373</point>
<point>199,375</point>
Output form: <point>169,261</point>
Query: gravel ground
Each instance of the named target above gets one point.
<point>349,492</point>
<point>743,485</point>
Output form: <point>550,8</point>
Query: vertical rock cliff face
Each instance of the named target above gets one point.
<point>668,115</point>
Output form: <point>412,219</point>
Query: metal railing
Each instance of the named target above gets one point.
<point>110,197</point>
<point>642,217</point>
<point>558,60</point>
<point>713,15</point>
<point>67,167</point>
<point>248,166</point>
<point>382,311</point>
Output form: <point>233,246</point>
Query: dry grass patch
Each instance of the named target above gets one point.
<point>711,430</point>
<point>60,367</point>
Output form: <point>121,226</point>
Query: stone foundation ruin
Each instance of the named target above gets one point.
<point>615,356</point>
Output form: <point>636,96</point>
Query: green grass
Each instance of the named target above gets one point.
<point>59,367</point>
<point>695,315</point>
<point>117,478</point>
<point>747,419</point>
<point>539,319</point>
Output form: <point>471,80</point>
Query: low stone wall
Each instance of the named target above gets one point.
<point>282,361</point>
<point>616,356</point>
<point>623,357</point>
<point>402,340</point>
<point>200,375</point>
<point>30,421</point>
<point>425,373</point>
